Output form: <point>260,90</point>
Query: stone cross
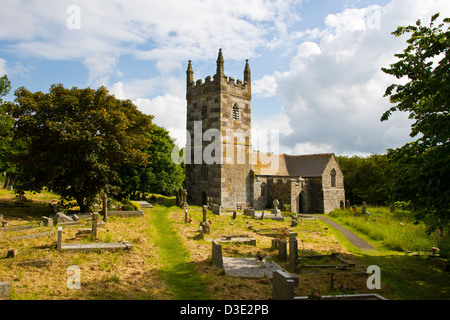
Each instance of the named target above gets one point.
<point>276,203</point>
<point>205,210</point>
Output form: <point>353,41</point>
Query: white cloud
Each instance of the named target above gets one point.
<point>169,112</point>
<point>164,31</point>
<point>2,67</point>
<point>333,92</point>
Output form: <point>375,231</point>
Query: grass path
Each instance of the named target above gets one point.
<point>178,271</point>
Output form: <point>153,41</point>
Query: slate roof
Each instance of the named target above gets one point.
<point>307,166</point>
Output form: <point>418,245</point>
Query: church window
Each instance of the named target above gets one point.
<point>204,112</point>
<point>235,112</point>
<point>333,178</point>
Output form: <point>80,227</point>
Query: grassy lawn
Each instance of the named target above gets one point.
<point>403,253</point>
<point>168,261</point>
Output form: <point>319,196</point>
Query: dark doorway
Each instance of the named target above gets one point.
<point>301,202</point>
<point>204,199</point>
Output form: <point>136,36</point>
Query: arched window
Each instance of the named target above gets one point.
<point>235,112</point>
<point>333,178</point>
<point>204,112</point>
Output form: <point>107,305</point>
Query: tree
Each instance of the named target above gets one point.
<point>8,145</point>
<point>421,169</point>
<point>76,140</point>
<point>160,175</point>
<point>364,178</point>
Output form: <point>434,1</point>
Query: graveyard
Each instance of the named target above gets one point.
<point>166,252</point>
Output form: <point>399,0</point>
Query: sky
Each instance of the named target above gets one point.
<point>315,64</point>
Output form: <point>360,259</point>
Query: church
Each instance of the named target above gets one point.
<point>221,164</point>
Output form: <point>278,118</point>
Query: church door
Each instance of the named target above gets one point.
<point>301,202</point>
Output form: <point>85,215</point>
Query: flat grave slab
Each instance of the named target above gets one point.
<point>275,233</point>
<point>249,267</point>
<point>239,238</point>
<point>137,213</point>
<point>267,215</point>
<point>143,204</point>
<point>96,246</point>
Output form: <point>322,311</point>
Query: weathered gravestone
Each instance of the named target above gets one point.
<point>282,250</point>
<point>276,211</point>
<point>293,253</point>
<point>5,289</point>
<point>283,286</point>
<point>205,224</point>
<point>363,208</point>
<point>216,256</point>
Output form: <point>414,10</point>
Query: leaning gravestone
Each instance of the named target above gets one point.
<point>217,257</point>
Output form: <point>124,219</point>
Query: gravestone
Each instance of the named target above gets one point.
<point>94,224</point>
<point>282,250</point>
<point>216,256</point>
<point>216,209</point>
<point>59,240</point>
<point>205,224</point>
<point>234,215</point>
<point>5,290</point>
<point>262,215</point>
<point>347,204</point>
<point>60,217</point>
<point>12,253</point>
<point>293,253</point>
<point>294,222</point>
<point>275,210</point>
<point>363,208</point>
<point>283,286</point>
<point>105,207</point>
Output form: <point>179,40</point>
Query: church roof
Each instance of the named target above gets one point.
<point>313,165</point>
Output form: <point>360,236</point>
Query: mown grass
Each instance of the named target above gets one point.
<point>181,276</point>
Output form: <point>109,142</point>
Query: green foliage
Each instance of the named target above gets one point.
<point>8,145</point>
<point>420,169</point>
<point>396,230</point>
<point>364,178</point>
<point>76,140</point>
<point>160,175</point>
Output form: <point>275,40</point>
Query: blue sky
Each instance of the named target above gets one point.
<point>315,64</point>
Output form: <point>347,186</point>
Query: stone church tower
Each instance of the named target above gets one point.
<point>221,164</point>
<point>219,139</point>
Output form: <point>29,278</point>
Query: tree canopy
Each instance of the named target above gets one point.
<point>420,170</point>
<point>161,175</point>
<point>76,139</point>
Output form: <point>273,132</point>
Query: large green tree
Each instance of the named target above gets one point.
<point>364,178</point>
<point>8,145</point>
<point>421,169</point>
<point>161,175</point>
<point>76,138</point>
